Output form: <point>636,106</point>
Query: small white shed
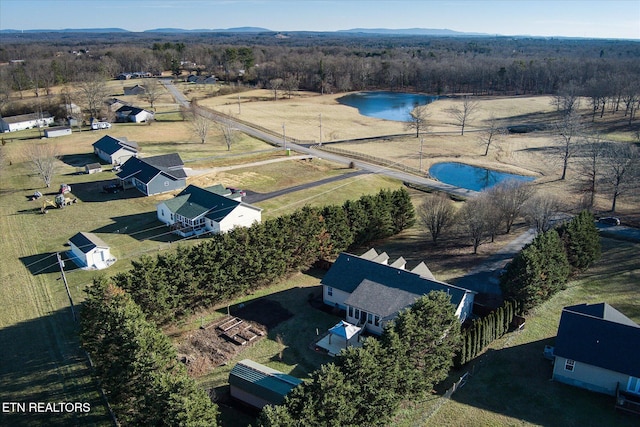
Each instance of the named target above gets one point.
<point>57,131</point>
<point>89,251</point>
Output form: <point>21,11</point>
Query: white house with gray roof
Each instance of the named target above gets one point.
<point>90,251</point>
<point>373,292</point>
<point>25,121</point>
<point>215,209</point>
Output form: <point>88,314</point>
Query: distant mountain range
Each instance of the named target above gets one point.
<point>387,31</point>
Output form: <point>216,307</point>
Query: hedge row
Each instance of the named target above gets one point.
<point>244,259</point>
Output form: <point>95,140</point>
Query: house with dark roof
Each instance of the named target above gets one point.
<point>115,151</point>
<point>372,292</point>
<point>597,348</point>
<point>129,113</point>
<point>90,251</point>
<point>134,90</point>
<point>257,385</point>
<point>197,210</point>
<point>25,121</point>
<point>153,175</point>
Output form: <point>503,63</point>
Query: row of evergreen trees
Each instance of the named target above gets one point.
<point>365,385</point>
<point>483,331</point>
<point>136,364</point>
<point>543,267</point>
<point>244,259</point>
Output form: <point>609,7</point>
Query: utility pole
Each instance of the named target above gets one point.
<point>284,137</point>
<point>66,285</point>
<point>320,129</point>
<point>238,104</point>
<point>421,142</point>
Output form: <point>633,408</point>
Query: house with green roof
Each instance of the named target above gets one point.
<point>257,385</point>
<point>372,292</point>
<point>215,209</point>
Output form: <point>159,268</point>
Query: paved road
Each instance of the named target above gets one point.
<point>371,168</point>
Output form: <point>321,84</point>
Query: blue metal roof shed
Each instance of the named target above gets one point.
<point>258,385</point>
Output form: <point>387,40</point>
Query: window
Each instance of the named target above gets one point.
<point>569,365</point>
<point>357,315</point>
<point>161,212</point>
<point>376,321</point>
<point>350,311</point>
<point>329,291</point>
<point>370,318</point>
<point>166,183</point>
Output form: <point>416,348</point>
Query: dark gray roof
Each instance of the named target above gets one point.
<point>170,165</point>
<point>110,145</point>
<point>129,110</point>
<point>86,242</point>
<point>599,335</point>
<point>349,271</point>
<point>379,299</point>
<point>262,381</point>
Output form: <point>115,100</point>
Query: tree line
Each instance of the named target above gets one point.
<point>244,259</point>
<point>365,385</point>
<point>333,63</point>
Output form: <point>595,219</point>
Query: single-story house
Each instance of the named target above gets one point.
<point>115,151</point>
<point>113,104</point>
<point>25,121</point>
<point>597,348</point>
<point>134,90</point>
<point>128,113</point>
<point>258,385</point>
<point>372,292</point>
<point>57,131</point>
<point>92,168</point>
<point>201,80</point>
<point>154,175</point>
<point>89,251</point>
<point>198,210</point>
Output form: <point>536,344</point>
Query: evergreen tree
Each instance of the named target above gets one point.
<point>581,240</point>
<point>402,211</point>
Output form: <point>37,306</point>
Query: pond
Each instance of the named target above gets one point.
<point>394,106</point>
<point>471,177</point>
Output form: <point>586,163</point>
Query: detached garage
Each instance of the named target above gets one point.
<point>258,385</point>
<point>89,251</point>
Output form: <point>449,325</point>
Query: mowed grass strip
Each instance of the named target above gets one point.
<point>511,384</point>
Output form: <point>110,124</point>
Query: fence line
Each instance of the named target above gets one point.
<point>447,395</point>
<point>371,159</point>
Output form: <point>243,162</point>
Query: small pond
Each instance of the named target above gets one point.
<point>394,106</point>
<point>471,177</point>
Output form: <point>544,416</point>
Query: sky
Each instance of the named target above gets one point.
<point>618,19</point>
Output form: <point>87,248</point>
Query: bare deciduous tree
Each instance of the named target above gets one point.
<point>418,120</point>
<point>228,132</point>
<point>93,91</point>
<point>621,170</point>
<point>436,213</point>
<point>472,217</point>
<point>200,125</point>
<point>275,85</point>
<point>569,130</point>
<point>540,210</point>
<point>508,199</point>
<point>153,90</point>
<point>290,85</point>
<point>489,135</point>
<point>44,160</point>
<point>462,114</point>
<point>589,168</point>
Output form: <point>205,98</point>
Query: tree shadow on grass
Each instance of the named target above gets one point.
<point>144,226</point>
<point>44,363</point>
<point>516,382</point>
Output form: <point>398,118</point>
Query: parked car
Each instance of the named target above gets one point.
<point>237,191</point>
<point>610,220</point>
